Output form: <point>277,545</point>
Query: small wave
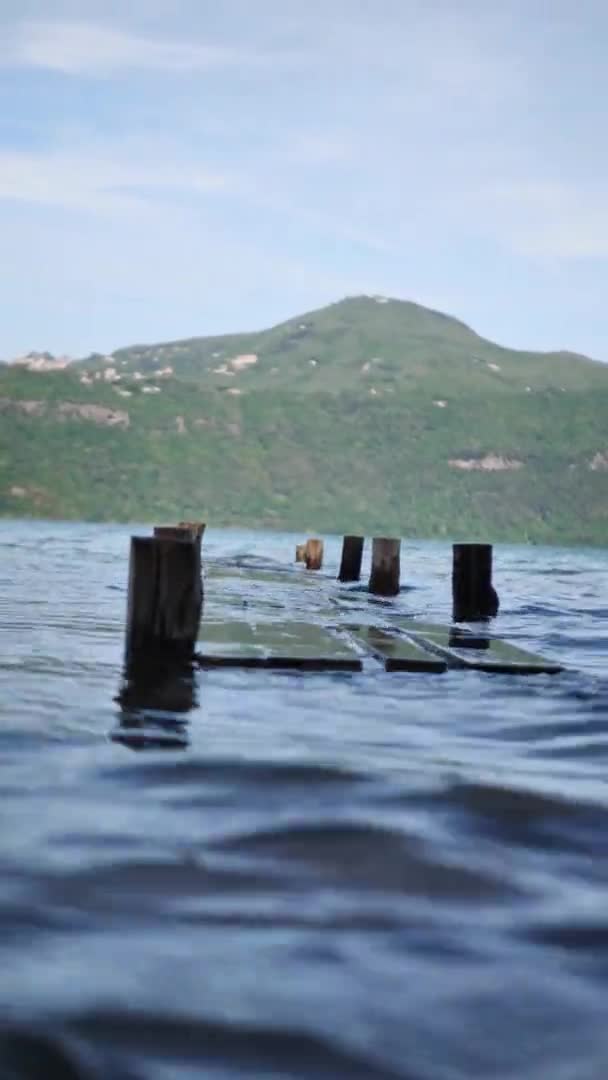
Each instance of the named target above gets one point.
<point>254,1050</point>
<point>579,937</point>
<point>368,857</point>
<point>227,771</point>
<point>26,1054</point>
<point>532,818</point>
<point>543,611</point>
<point>558,572</point>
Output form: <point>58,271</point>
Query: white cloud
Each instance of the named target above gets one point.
<point>99,179</point>
<point>95,49</point>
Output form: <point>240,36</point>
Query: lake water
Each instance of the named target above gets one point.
<point>320,876</point>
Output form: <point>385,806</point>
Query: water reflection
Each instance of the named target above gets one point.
<point>155,698</point>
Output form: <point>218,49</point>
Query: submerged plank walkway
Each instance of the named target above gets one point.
<point>397,653</point>
<point>464,649</point>
<point>296,645</point>
<point>257,617</point>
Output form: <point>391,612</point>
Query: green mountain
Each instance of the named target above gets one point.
<point>369,415</point>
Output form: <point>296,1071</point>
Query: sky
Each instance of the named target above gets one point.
<point>170,168</point>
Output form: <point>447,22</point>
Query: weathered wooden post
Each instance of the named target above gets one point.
<point>313,554</point>
<point>196,527</point>
<point>352,554</point>
<point>300,552</point>
<point>473,595</point>
<point>186,530</point>
<point>165,595</point>
<point>386,566</point>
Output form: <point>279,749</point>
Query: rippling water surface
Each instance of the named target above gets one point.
<point>304,875</point>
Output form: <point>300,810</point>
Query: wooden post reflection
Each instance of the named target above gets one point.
<point>155,698</point>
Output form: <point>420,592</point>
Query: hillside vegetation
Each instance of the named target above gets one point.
<point>370,415</point>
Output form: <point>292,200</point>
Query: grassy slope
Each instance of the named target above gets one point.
<point>308,446</point>
<point>406,344</point>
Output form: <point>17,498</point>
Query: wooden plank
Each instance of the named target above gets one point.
<point>267,597</point>
<point>397,653</point>
<point>281,645</point>
<point>281,576</point>
<point>464,649</point>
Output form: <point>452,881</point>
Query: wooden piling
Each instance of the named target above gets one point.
<point>196,527</point>
<point>300,552</point>
<point>313,554</point>
<point>165,596</point>
<point>386,566</point>
<point>186,530</point>
<point>473,595</point>
<point>352,554</point>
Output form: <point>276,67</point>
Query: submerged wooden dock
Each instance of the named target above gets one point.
<point>258,615</point>
<point>344,646</point>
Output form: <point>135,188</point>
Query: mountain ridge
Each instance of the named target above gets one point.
<point>370,414</point>
<point>354,298</point>
<point>137,346</point>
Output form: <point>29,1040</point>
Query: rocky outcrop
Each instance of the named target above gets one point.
<point>98,414</point>
<point>488,463</point>
<point>30,408</point>
<point>68,410</point>
<point>34,495</point>
<point>37,361</point>
<point>599,463</point>
<point>243,361</point>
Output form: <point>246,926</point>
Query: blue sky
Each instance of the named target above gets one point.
<point>175,168</point>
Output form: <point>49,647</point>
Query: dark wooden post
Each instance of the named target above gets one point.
<point>196,527</point>
<point>186,530</point>
<point>165,596</point>
<point>473,595</point>
<point>300,552</point>
<point>313,554</point>
<point>352,554</point>
<point>386,566</point>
